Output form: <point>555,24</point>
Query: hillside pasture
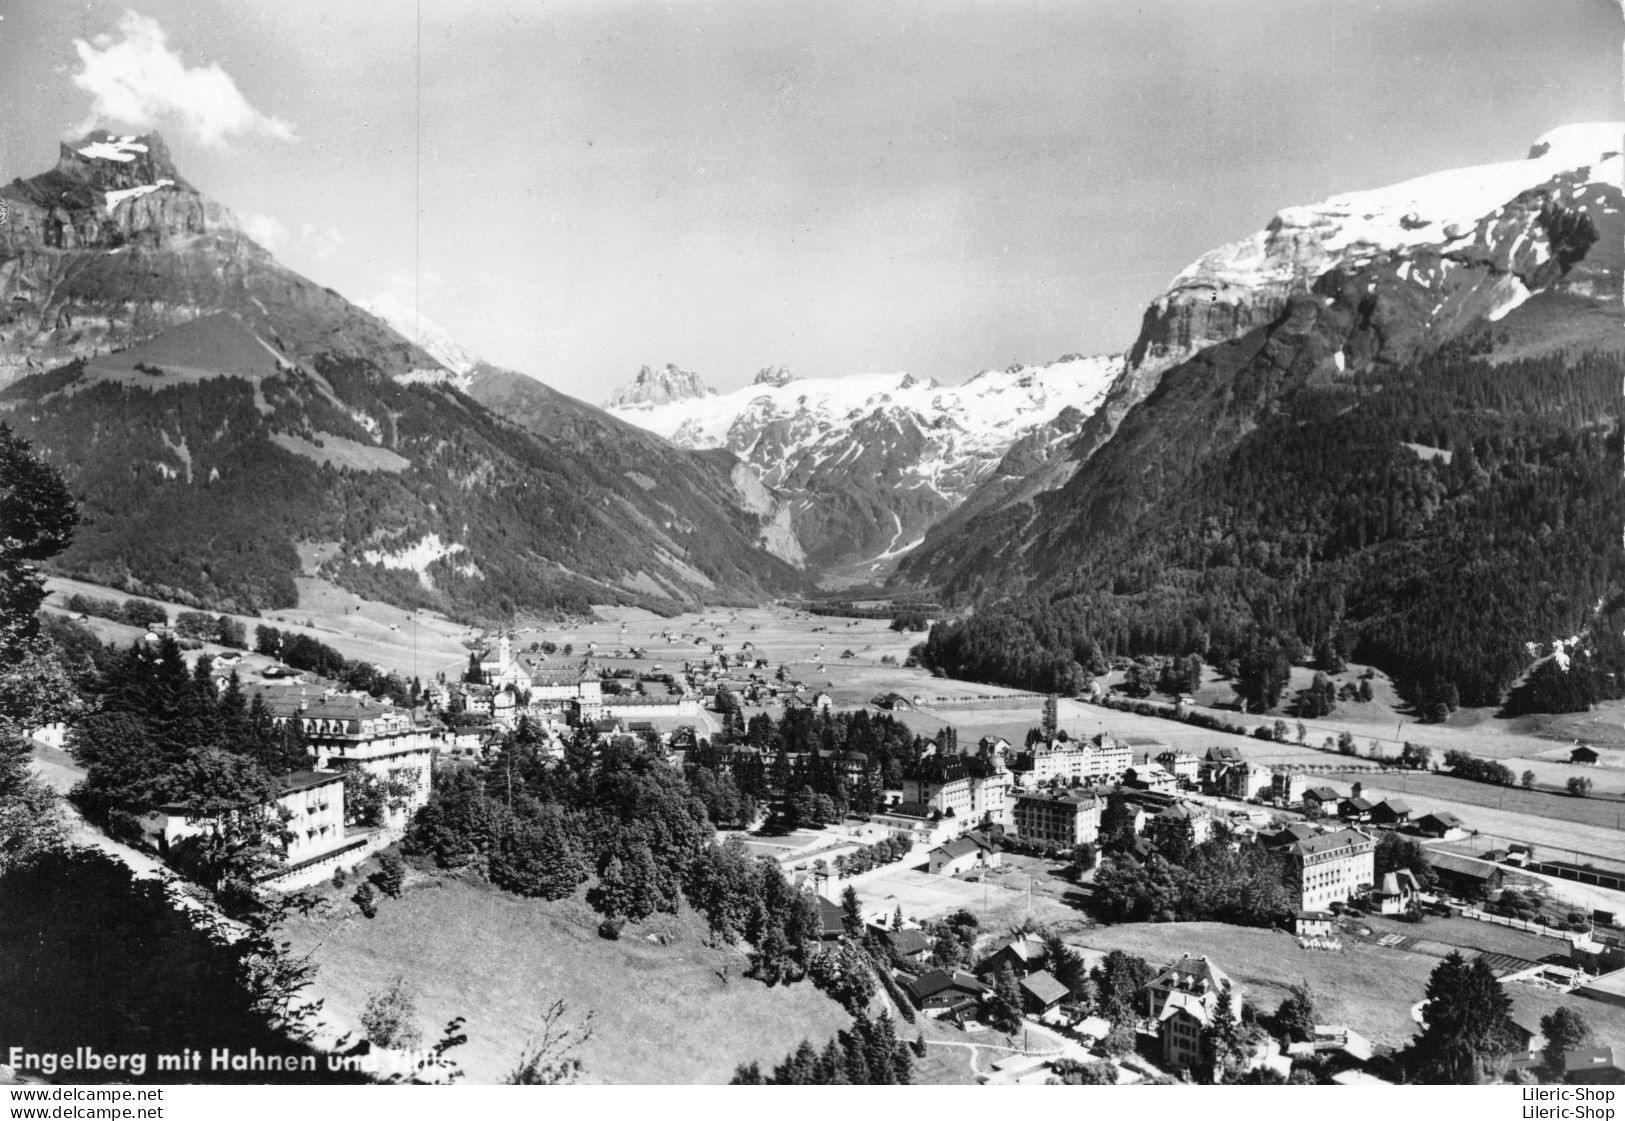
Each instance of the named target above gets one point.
<point>679,1012</point>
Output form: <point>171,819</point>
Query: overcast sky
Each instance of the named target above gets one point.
<point>576,189</point>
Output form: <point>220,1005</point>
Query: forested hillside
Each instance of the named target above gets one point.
<point>1431,520</point>
<point>199,490</point>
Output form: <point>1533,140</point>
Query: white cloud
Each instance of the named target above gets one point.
<point>139,81</point>
<point>268,231</point>
<point>324,241</point>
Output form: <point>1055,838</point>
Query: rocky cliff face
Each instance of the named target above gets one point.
<point>112,246</point>
<point>653,388</point>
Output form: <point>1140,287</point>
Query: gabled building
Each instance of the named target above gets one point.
<point>1441,824</point>
<point>939,993</point>
<point>1184,1001</point>
<point>1464,876</point>
<point>1021,954</point>
<point>1390,811</point>
<point>969,853</point>
<point>1355,810</point>
<point>1321,800</point>
<point>1595,1066</point>
<point>1041,993</point>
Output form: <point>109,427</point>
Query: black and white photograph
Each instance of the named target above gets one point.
<point>644,543</point>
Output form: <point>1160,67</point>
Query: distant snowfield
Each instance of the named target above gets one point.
<point>1432,210</point>
<point>992,407</point>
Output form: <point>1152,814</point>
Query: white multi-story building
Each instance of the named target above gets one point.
<point>1333,867</point>
<point>346,732</point>
<point>1101,759</point>
<point>972,789</point>
<point>1065,819</point>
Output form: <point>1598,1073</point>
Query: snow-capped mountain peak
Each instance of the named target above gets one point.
<point>1433,210</point>
<point>868,462</point>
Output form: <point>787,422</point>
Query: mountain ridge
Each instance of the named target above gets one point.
<point>216,411</point>
<point>865,464</point>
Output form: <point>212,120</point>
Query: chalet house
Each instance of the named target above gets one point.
<point>910,945</point>
<point>939,993</point>
<point>1333,868</point>
<point>1041,993</point>
<point>1354,810</point>
<point>1397,892</point>
<point>1583,754</point>
<point>1441,824</point>
<point>1390,811</point>
<point>1465,877</point>
<point>1064,820</point>
<point>1184,1001</point>
<point>1320,800</point>
<point>969,853</point>
<point>1023,954</point>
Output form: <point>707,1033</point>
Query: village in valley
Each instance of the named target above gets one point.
<point>1118,887</point>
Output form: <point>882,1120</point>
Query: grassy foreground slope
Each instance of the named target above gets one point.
<point>663,1013</point>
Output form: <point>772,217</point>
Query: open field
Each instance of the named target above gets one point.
<point>1421,788</point>
<point>662,1013</point>
<point>1548,834</point>
<point>1000,903</point>
<point>1467,935</point>
<point>421,643</point>
<point>1369,988</point>
<point>1539,743</point>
